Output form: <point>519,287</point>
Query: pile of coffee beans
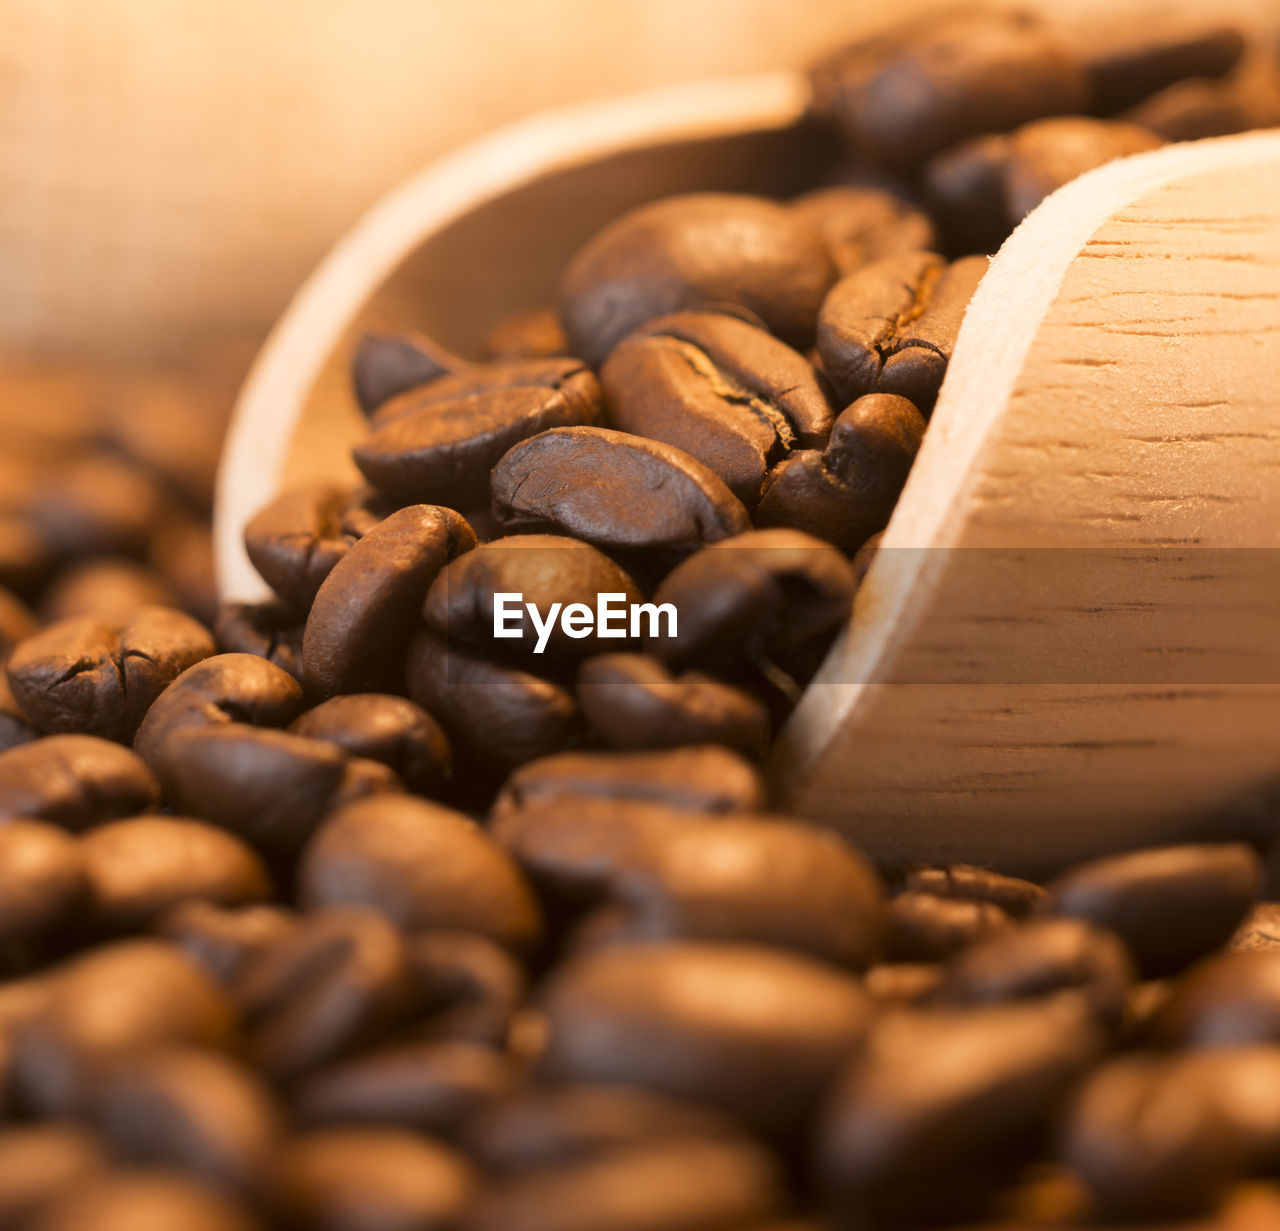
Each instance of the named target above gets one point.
<point>436,894</point>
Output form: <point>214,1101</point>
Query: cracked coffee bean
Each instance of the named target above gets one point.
<point>925,928</point>
<point>961,880</point>
<point>388,363</point>
<point>270,630</point>
<point>75,781</point>
<point>862,223</point>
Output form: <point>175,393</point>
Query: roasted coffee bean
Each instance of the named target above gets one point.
<point>270,630</point>
<point>239,688</point>
<point>925,928</point>
<point>297,539</point>
<point>191,1109</point>
<point>91,677</point>
<point>1232,1000</point>
<point>120,1200</point>
<point>338,982</point>
<point>940,1107</point>
<point>110,590</point>
<point>706,779</point>
<point>617,491</point>
<point>754,1032</point>
<point>862,223</point>
<point>430,1087</point>
<point>903,984</point>
<point>15,730</point>
<point>75,781</point>
<point>422,866</point>
<point>962,880</point>
<point>269,787</point>
<point>224,941</point>
<point>470,987</point>
<point>386,364</point>
<point>182,553</point>
<point>1169,905</point>
<point>632,701</point>
<point>533,334</point>
<point>116,999</point>
<point>42,870</point>
<point>1192,110</point>
<point>358,1179</point>
<point>664,1186</point>
<point>137,869</point>
<point>763,881</point>
<point>689,252</point>
<point>391,730</point>
<point>440,442</point>
<point>496,714</point>
<point>17,622</point>
<point>901,98</point>
<point>846,492</point>
<point>725,391</point>
<point>1260,929</point>
<point>365,612</point>
<point>39,1163</point>
<point>752,595</point>
<point>550,571</point>
<point>891,326</point>
<point>1042,958</point>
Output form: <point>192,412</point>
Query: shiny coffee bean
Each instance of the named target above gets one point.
<point>39,1164</point>
<point>470,987</point>
<point>751,1031</point>
<point>632,701</point>
<point>367,607</point>
<point>116,999</point>
<point>75,781</point>
<point>422,866</point>
<point>903,97</point>
<point>109,589</point>
<point>689,252</point>
<point>191,1109</point>
<point>358,1179</point>
<point>940,1107</point>
<point>961,880</point>
<point>903,984</point>
<point>1260,929</point>
<point>137,869</point>
<point>441,441</point>
<point>532,334</point>
<point>90,677</point>
<point>221,940</point>
<point>725,391</point>
<point>862,223</point>
<point>388,363</point>
<point>891,326</point>
<point>392,730</point>
<point>295,541</point>
<point>120,1200</point>
<point>42,870</point>
<point>1169,905</point>
<point>752,595</point>
<point>270,630</point>
<point>846,492</point>
<point>925,928</point>
<point>1231,1000</point>
<point>617,491</point>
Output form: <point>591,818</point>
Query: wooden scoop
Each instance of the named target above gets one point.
<point>1070,641</point>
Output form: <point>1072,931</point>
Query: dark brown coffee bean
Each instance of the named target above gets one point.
<point>365,612</point>
<point>752,1031</point>
<point>757,880</point>
<point>440,442</point>
<point>240,688</point>
<point>75,781</point>
<point>87,676</point>
<point>632,701</point>
<point>725,391</point>
<point>1260,930</point>
<point>121,1200</point>
<point>903,984</point>
<point>39,1163</point>
<point>137,869</point>
<point>1232,1000</point>
<point>940,1107</point>
<point>1195,109</point>
<point>664,1186</point>
<point>690,252</point>
<point>358,1179</point>
<point>470,987</point>
<point>386,364</point>
<point>891,327</point>
<point>111,590</point>
<point>532,334</point>
<point>269,787</point>
<point>224,941</point>
<point>548,570</point>
<point>17,622</point>
<point>924,928</point>
<point>391,730</point>
<point>191,1109</point>
<point>1170,905</point>
<point>297,539</point>
<point>339,982</point>
<point>862,223</point>
<point>752,595</point>
<point>430,1087</point>
<point>845,493</point>
<point>120,998</point>
<point>42,870</point>
<point>422,866</point>
<point>617,491</point>
<point>498,715</point>
<point>270,630</point>
<point>706,779</point>
<point>962,880</point>
<point>902,97</point>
